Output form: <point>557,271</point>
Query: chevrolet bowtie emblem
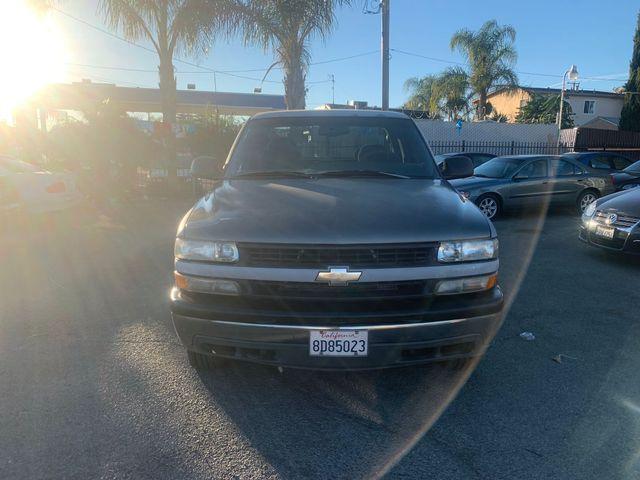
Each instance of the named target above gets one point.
<point>338,276</point>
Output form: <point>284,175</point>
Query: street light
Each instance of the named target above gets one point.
<point>572,73</point>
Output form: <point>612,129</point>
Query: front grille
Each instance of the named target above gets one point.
<point>323,256</point>
<point>354,291</point>
<point>623,220</point>
<point>616,243</point>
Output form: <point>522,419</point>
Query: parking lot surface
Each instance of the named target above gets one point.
<point>95,385</point>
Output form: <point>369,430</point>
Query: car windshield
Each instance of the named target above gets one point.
<point>355,146</point>
<point>633,168</point>
<point>500,167</point>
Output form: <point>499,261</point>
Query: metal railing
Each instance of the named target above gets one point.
<point>500,148</point>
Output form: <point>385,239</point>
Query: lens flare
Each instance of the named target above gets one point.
<point>32,54</point>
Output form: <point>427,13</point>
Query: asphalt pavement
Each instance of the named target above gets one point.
<point>95,385</point>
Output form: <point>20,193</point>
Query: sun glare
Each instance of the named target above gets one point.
<point>31,51</point>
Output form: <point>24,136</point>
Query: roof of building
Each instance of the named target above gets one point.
<point>557,91</point>
<point>61,94</point>
<point>331,114</point>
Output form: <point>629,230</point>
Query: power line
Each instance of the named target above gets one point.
<point>141,70</point>
<point>441,60</point>
<point>186,62</point>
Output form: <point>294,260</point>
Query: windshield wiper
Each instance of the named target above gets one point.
<point>359,173</point>
<point>271,174</point>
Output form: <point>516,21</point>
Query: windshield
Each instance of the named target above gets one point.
<point>326,146</point>
<point>500,167</point>
<point>633,168</point>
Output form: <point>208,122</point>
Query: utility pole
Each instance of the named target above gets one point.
<point>332,77</point>
<point>384,5</point>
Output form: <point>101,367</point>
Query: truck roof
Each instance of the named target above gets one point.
<point>330,114</point>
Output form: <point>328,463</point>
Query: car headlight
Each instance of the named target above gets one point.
<point>468,251</point>
<point>206,251</point>
<point>590,210</point>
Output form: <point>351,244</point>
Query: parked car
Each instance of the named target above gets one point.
<point>528,180</point>
<point>477,158</point>
<point>600,161</point>
<point>26,187</point>
<point>613,222</point>
<point>627,178</point>
<point>331,240</point>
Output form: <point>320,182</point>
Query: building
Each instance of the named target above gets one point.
<point>84,96</point>
<point>591,108</point>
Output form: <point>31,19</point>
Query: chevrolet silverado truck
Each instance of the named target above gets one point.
<point>331,240</point>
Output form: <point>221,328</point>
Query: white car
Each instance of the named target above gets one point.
<point>25,186</point>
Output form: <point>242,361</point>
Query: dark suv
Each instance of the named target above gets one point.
<point>331,240</point>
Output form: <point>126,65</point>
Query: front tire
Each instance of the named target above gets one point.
<point>585,199</point>
<point>489,205</point>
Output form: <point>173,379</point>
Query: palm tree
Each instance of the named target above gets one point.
<point>170,26</point>
<point>421,94</point>
<point>445,94</point>
<point>491,56</point>
<point>286,26</point>
<point>451,90</point>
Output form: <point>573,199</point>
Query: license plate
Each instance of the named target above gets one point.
<point>339,343</point>
<point>605,232</point>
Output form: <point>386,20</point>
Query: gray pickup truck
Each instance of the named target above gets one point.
<point>330,240</point>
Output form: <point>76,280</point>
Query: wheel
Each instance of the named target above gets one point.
<point>201,362</point>
<point>489,205</point>
<point>585,199</point>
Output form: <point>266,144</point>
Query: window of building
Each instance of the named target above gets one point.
<point>589,106</point>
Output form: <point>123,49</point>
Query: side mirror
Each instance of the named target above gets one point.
<point>206,167</point>
<point>457,167</point>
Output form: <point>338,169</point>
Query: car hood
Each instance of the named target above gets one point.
<point>627,201</point>
<point>334,211</point>
<point>475,182</point>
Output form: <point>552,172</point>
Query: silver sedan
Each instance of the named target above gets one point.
<point>531,180</point>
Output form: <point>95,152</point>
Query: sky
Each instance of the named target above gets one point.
<point>551,35</point>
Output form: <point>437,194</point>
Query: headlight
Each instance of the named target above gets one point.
<point>206,251</point>
<point>590,210</point>
<point>468,251</point>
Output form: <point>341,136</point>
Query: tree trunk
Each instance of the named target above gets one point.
<point>482,105</point>
<point>294,84</point>
<point>168,103</point>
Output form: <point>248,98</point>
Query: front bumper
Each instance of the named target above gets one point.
<point>393,340</point>
<point>624,241</point>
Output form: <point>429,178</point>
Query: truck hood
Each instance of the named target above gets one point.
<point>334,211</point>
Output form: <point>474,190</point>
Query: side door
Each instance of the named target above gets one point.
<point>565,181</point>
<point>530,185</point>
